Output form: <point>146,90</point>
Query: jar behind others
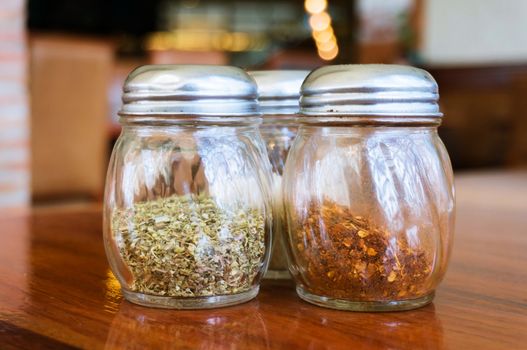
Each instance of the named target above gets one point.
<point>187,214</point>
<point>369,189</point>
<point>278,95</point>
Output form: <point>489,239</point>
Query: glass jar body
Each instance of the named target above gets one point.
<point>370,212</point>
<point>278,134</point>
<point>187,215</point>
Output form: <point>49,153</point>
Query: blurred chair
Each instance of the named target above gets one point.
<point>485,114</point>
<point>70,78</point>
<point>517,155</point>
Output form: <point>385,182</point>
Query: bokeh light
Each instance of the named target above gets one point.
<point>320,21</point>
<point>329,55</point>
<point>321,29</point>
<point>323,35</point>
<point>315,6</point>
<point>327,45</point>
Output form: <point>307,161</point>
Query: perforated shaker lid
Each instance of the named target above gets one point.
<point>189,90</point>
<point>279,90</point>
<point>370,90</point>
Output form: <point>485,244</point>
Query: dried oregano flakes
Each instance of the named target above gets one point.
<point>187,246</point>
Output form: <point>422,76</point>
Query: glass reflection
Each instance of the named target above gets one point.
<point>136,327</point>
<point>331,329</point>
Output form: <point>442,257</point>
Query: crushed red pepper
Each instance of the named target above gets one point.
<point>347,257</point>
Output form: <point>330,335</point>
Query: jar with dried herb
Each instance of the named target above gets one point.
<point>369,189</point>
<point>278,94</point>
<point>188,210</point>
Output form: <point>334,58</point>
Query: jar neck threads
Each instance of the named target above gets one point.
<point>370,120</point>
<point>188,120</point>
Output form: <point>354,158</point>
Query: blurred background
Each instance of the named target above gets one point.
<point>62,65</point>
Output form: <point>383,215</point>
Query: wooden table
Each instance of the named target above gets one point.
<point>56,291</point>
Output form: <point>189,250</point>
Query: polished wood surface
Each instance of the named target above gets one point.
<point>56,291</point>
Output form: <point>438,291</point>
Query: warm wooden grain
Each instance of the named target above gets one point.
<point>56,291</point>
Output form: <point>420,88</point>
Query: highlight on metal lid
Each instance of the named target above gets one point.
<point>370,90</point>
<point>189,90</point>
<point>279,90</point>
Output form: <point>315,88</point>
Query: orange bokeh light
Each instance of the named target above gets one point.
<point>326,46</point>
<point>324,36</point>
<point>329,55</point>
<point>320,21</point>
<point>315,6</point>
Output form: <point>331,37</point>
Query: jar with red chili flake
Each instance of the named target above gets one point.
<point>368,189</point>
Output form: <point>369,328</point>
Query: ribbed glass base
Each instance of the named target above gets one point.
<point>364,306</point>
<point>209,302</point>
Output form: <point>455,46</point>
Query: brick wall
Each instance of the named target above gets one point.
<point>14,129</point>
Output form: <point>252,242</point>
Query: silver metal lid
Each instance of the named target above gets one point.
<point>189,90</point>
<point>370,90</point>
<point>279,90</point>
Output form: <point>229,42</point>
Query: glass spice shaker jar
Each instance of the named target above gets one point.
<point>188,210</point>
<point>369,190</point>
<point>278,95</point>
